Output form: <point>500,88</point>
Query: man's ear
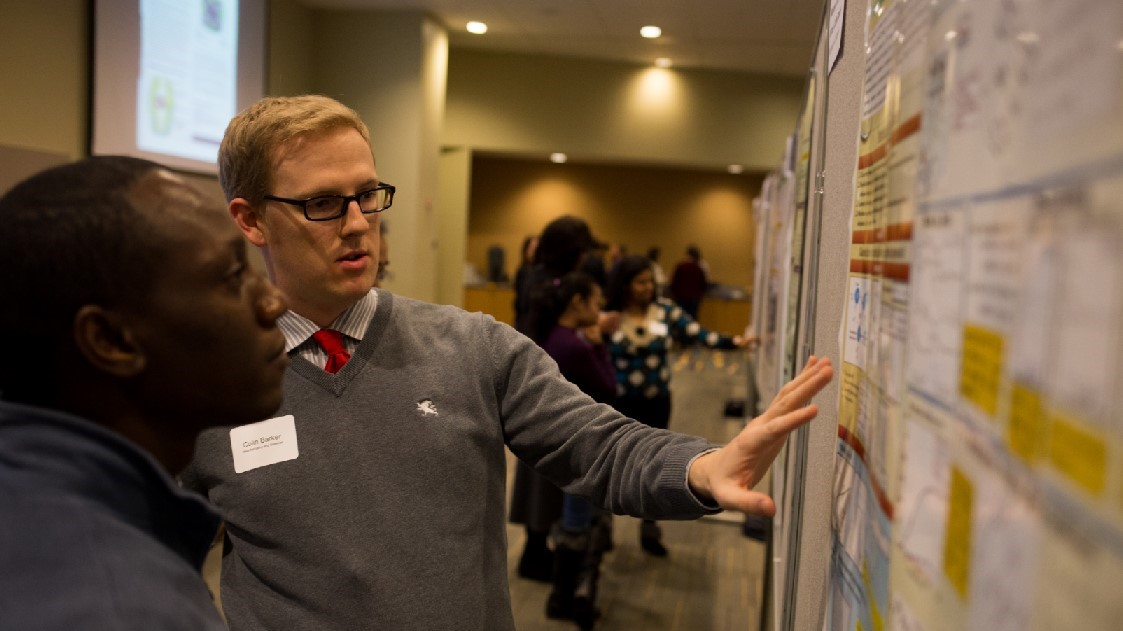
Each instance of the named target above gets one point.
<point>248,220</point>
<point>107,342</point>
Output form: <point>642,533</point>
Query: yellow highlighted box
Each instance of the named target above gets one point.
<point>981,367</point>
<point>1026,432</point>
<point>957,538</point>
<point>1078,452</point>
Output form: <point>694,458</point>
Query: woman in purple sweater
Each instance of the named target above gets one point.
<point>563,321</point>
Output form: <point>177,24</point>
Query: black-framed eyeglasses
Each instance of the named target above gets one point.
<point>328,207</point>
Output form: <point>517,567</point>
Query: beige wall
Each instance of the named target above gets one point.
<point>390,67</point>
<point>624,112</point>
<point>291,55</point>
<point>43,76</point>
<point>638,206</point>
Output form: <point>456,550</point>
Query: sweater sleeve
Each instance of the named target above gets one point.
<point>687,330</point>
<point>588,448</point>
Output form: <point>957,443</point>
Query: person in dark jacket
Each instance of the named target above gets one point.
<point>132,322</point>
<point>689,282</point>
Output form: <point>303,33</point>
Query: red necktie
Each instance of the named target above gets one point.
<point>332,342</point>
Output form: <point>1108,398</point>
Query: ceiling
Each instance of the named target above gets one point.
<point>758,36</point>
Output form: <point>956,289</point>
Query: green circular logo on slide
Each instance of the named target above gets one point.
<point>161,103</point>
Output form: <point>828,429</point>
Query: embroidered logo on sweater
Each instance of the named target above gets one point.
<point>426,407</point>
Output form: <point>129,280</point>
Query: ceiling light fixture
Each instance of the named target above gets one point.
<point>663,62</point>
<point>735,169</point>
<point>651,32</point>
<point>476,28</point>
<point>558,158</point>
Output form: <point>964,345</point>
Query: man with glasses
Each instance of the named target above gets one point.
<point>390,514</point>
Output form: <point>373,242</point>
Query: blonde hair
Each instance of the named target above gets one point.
<point>249,146</point>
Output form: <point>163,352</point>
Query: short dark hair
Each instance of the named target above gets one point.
<point>68,237</point>
<point>620,283</point>
<point>561,245</point>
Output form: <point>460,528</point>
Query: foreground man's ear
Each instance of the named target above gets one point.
<point>103,338</point>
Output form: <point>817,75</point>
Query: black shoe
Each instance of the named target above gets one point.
<point>650,539</point>
<point>559,607</point>
<point>653,546</point>
<point>537,564</point>
<point>585,612</point>
<point>567,567</point>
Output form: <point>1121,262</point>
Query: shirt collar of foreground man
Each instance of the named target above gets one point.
<point>148,326</point>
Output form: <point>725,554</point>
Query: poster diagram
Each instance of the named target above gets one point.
<point>187,80</point>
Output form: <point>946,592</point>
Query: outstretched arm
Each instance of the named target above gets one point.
<point>727,476</point>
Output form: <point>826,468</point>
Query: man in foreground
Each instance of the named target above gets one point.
<point>391,516</point>
<point>130,322</point>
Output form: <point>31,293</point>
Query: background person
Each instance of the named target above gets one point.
<point>383,256</point>
<point>526,262</point>
<point>689,282</point>
<point>536,503</point>
<point>564,322</point>
<point>132,322</point>
<point>392,514</point>
<point>649,329</point>
<point>657,269</point>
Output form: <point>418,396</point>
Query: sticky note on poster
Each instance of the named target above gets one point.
<point>957,538</point>
<point>981,367</point>
<point>1078,453</point>
<point>1026,432</point>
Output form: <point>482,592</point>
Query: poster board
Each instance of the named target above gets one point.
<point>979,474</point>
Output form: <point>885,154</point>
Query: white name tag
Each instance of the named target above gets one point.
<point>658,329</point>
<point>265,443</point>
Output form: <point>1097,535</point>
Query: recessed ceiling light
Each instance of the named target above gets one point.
<point>558,158</point>
<point>477,28</point>
<point>651,32</point>
<point>735,169</point>
<point>663,62</point>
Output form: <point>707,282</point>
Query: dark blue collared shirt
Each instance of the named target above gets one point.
<point>94,534</point>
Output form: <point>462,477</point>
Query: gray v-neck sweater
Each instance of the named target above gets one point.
<point>392,516</point>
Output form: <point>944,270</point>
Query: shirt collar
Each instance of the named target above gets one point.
<point>352,323</point>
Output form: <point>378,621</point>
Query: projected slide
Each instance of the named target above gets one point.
<point>187,83</point>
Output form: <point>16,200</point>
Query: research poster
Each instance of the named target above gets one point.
<point>979,480</point>
<point>776,279</point>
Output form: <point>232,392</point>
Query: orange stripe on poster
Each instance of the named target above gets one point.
<point>903,131</point>
<point>873,157</point>
<point>894,232</point>
<point>882,499</point>
<point>906,129</point>
<point>892,271</point>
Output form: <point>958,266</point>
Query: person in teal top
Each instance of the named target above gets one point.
<point>649,328</point>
